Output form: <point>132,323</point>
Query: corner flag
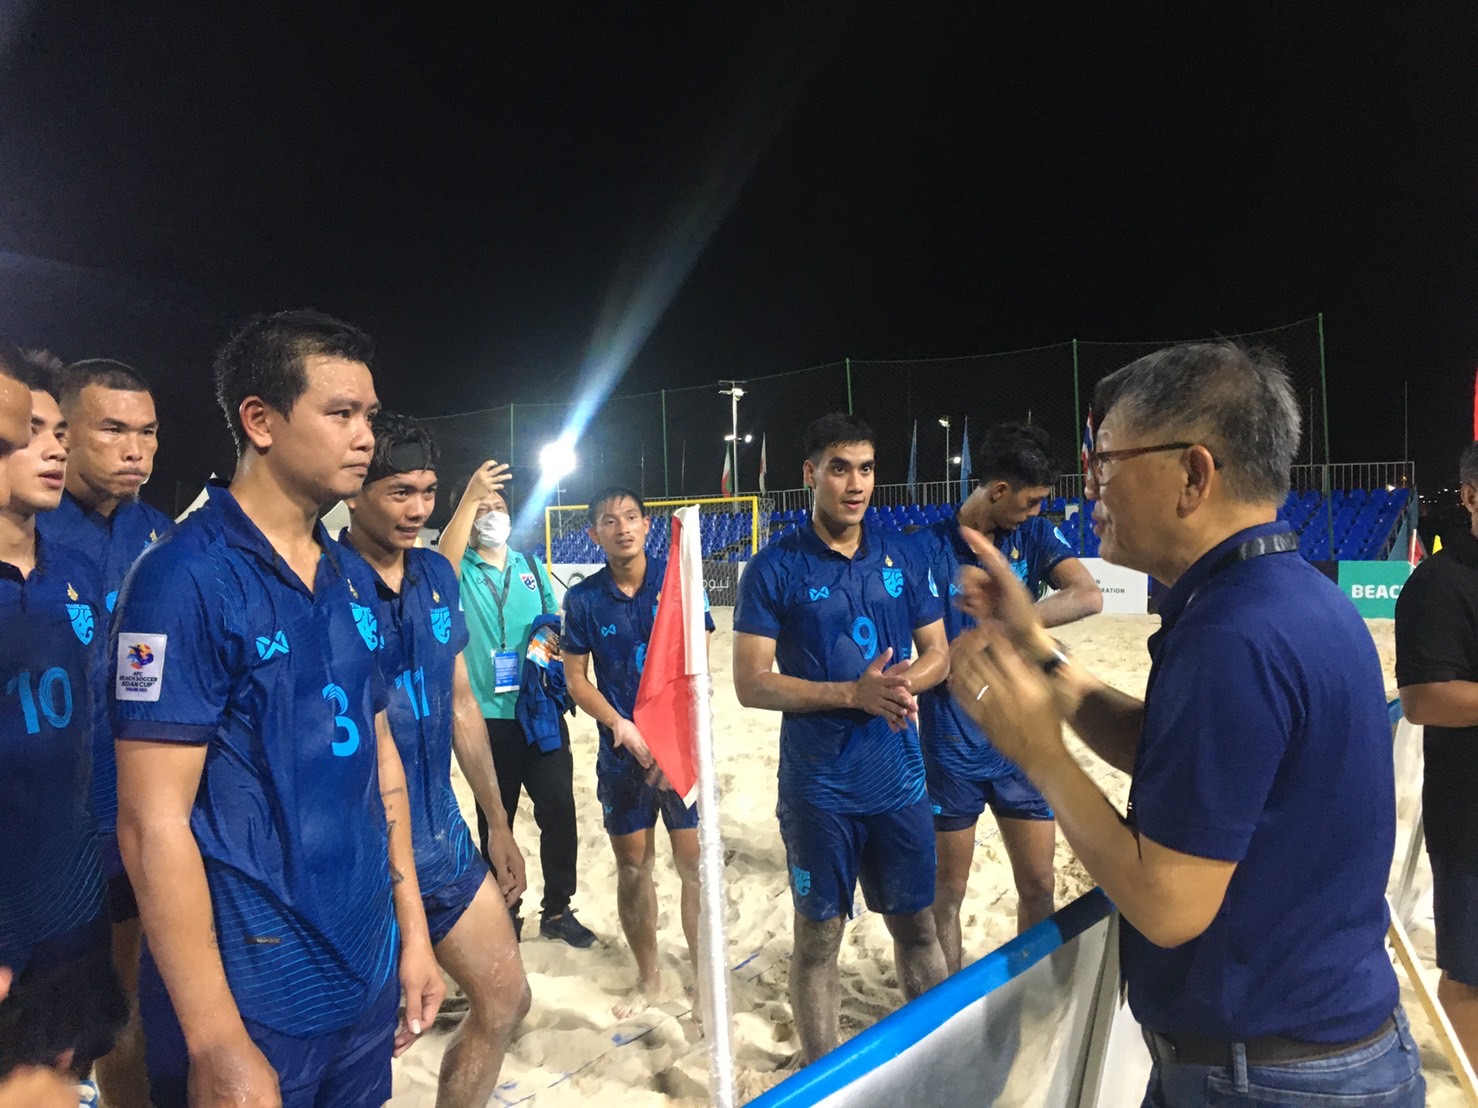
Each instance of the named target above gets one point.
<point>678,647</point>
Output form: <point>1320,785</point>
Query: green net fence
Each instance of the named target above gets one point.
<point>672,442</point>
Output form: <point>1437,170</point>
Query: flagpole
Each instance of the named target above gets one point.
<point>712,946</point>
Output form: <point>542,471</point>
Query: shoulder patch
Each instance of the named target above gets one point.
<point>140,668</point>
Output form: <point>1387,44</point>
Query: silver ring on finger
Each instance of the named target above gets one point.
<point>982,691</point>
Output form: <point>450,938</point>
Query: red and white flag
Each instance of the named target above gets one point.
<point>763,465</point>
<point>1415,551</point>
<point>666,714</point>
<point>727,482</point>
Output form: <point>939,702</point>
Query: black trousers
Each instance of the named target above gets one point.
<point>549,779</point>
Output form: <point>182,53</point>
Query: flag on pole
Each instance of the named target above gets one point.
<point>727,481</point>
<point>965,462</point>
<point>1415,551</point>
<point>678,647</point>
<point>913,465</point>
<point>1087,449</point>
<point>763,465</point>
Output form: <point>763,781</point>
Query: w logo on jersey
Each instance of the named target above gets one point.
<point>369,627</point>
<point>441,624</point>
<point>83,624</point>
<point>820,594</point>
<point>608,630</point>
<point>893,580</point>
<point>269,646</point>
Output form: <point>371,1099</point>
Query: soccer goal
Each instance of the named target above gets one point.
<point>733,528</point>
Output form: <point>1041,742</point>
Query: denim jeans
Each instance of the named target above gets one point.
<point>1386,1072</point>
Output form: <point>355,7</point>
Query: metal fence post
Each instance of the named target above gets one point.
<point>1324,390</point>
<point>848,362</point>
<point>666,480</point>
<point>1078,416</point>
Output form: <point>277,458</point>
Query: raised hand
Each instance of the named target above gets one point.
<point>1007,696</point>
<point>488,478</point>
<point>993,593</point>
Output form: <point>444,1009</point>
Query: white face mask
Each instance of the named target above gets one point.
<point>494,528</point>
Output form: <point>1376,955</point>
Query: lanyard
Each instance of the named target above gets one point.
<point>500,601</point>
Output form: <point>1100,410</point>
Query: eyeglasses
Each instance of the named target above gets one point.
<point>1096,458</point>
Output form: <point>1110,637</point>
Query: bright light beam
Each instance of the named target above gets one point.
<point>658,263</point>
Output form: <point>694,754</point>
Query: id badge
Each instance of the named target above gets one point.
<point>505,671</point>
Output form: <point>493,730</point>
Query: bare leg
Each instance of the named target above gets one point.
<point>481,953</point>
<point>123,1078</point>
<point>1030,844</point>
<point>1460,1002</point>
<point>636,903</point>
<point>916,952</point>
<point>685,859</point>
<point>815,985</point>
<point>954,850</point>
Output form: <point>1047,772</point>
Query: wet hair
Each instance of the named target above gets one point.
<point>12,361</point>
<point>40,372</point>
<point>105,372</point>
<point>613,492</point>
<point>1019,454</point>
<point>834,429</point>
<point>43,359</point>
<point>1467,466</point>
<point>265,358</point>
<point>401,446</point>
<point>1236,401</point>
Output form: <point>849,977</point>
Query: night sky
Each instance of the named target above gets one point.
<point>484,187</point>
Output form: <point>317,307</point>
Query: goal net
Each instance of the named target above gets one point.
<point>733,528</point>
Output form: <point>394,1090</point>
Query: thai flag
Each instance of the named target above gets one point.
<point>665,713</point>
<point>1087,448</point>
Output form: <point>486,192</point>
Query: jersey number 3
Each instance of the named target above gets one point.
<point>340,700</point>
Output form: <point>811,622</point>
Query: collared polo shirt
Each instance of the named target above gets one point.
<point>1437,640</point>
<point>218,643</point>
<point>112,543</point>
<point>53,636</point>
<point>614,629</point>
<point>422,631</point>
<point>830,616</point>
<point>950,737</point>
<point>1266,742</point>
<point>528,597</point>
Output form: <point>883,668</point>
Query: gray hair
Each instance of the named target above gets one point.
<point>1237,402</point>
<point>1467,466</point>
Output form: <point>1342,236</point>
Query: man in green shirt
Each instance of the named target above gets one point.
<point>503,593</point>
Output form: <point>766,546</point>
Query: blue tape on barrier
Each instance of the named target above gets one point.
<point>916,1020</point>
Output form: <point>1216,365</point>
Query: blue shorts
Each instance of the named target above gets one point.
<point>1455,914</point>
<point>444,905</point>
<point>828,852</point>
<point>630,805</point>
<point>958,802</point>
<point>347,1068</point>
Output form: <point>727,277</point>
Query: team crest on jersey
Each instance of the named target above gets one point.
<point>641,657</point>
<point>441,624</point>
<point>369,627</point>
<point>83,624</point>
<point>1057,531</point>
<point>530,582</point>
<point>892,579</point>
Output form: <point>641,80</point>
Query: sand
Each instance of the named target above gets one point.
<point>571,1051</point>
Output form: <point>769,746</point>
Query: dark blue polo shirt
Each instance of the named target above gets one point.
<point>422,631</point>
<point>53,636</point>
<point>217,642</point>
<point>950,737</point>
<point>614,629</point>
<point>830,616</point>
<point>112,543</point>
<point>1266,742</point>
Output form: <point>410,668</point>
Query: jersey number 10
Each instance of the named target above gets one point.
<point>53,696</point>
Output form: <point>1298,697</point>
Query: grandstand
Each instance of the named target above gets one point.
<point>1354,524</point>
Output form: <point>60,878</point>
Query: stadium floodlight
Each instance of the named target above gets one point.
<point>944,422</point>
<point>955,459</point>
<point>557,459</point>
<point>746,438</point>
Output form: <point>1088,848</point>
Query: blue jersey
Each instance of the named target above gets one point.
<point>52,637</point>
<point>112,543</point>
<point>830,616</point>
<point>951,738</point>
<point>614,629</point>
<point>217,642</point>
<point>422,631</point>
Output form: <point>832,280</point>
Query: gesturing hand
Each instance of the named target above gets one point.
<point>488,478</point>
<point>885,692</point>
<point>425,989</point>
<point>994,593</point>
<point>1007,696</point>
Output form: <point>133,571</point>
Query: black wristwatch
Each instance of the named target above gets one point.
<point>1056,660</point>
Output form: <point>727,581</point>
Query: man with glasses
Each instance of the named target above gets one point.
<point>965,773</point>
<point>1251,866</point>
<point>1437,669</point>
